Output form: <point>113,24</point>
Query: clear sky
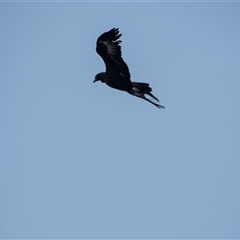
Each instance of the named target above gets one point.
<point>82,160</point>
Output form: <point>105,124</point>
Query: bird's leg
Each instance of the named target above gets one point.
<point>141,95</point>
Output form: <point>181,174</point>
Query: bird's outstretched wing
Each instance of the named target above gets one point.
<point>108,47</point>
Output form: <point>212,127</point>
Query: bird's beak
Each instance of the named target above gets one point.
<point>95,80</point>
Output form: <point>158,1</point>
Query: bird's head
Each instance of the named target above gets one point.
<point>99,77</point>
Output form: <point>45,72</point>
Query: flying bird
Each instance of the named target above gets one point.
<point>117,74</point>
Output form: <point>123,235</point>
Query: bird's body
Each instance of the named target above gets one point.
<point>117,74</point>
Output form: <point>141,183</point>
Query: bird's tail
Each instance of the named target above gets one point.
<point>139,89</point>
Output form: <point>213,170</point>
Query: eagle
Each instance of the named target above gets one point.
<point>117,74</point>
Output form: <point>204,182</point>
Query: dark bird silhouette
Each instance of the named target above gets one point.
<point>117,73</point>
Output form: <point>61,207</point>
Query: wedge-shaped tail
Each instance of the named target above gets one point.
<point>140,89</point>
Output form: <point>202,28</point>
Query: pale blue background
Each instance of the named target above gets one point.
<point>82,160</point>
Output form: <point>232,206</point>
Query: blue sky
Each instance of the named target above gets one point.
<point>82,160</point>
